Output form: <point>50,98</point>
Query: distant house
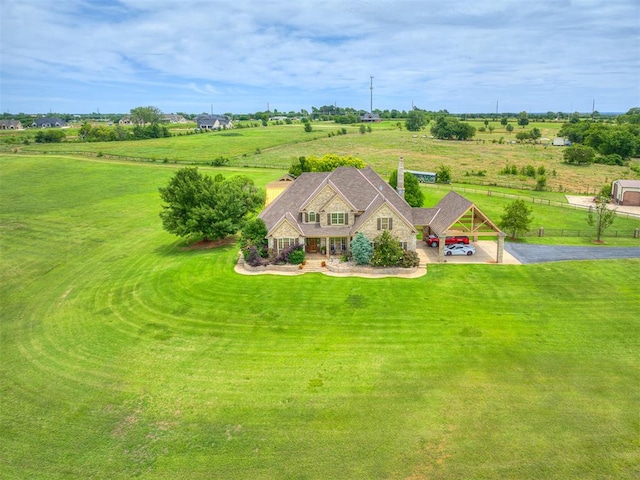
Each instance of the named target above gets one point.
<point>214,122</point>
<point>423,177</point>
<point>10,125</point>
<point>48,122</point>
<point>324,211</point>
<point>626,192</point>
<point>173,118</point>
<point>126,120</point>
<point>370,117</point>
<point>561,142</point>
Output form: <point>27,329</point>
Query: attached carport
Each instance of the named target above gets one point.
<point>455,215</point>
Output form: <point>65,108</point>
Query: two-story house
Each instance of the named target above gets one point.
<point>324,211</point>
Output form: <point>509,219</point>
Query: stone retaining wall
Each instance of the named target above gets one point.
<point>361,269</point>
<point>334,267</point>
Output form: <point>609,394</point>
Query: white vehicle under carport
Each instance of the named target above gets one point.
<point>459,249</point>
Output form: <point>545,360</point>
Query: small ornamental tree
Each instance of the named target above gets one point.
<point>523,119</point>
<point>602,217</point>
<point>516,218</point>
<point>361,249</point>
<point>254,234</point>
<point>387,251</point>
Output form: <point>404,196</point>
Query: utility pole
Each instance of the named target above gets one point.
<point>371,88</point>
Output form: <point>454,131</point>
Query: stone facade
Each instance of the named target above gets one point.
<point>284,230</point>
<point>320,199</point>
<point>400,229</point>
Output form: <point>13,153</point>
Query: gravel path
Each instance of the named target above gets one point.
<point>556,253</point>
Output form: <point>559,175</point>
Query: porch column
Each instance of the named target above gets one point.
<point>441,245</point>
<point>500,253</point>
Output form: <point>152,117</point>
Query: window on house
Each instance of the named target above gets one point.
<point>403,245</point>
<point>385,223</point>
<point>311,217</point>
<point>338,245</point>
<point>286,242</point>
<point>337,218</point>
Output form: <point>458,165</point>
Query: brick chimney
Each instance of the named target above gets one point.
<point>400,188</point>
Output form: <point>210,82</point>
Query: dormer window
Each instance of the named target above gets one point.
<point>337,218</point>
<point>311,217</point>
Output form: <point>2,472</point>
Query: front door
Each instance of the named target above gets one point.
<point>312,245</point>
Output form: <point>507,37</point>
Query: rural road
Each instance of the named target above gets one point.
<point>556,253</point>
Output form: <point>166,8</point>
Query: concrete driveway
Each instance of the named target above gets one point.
<point>557,253</point>
<point>486,251</point>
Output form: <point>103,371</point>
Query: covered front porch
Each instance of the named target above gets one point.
<point>327,246</point>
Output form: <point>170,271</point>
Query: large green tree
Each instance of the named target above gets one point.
<point>601,217</point>
<point>326,163</point>
<point>412,191</point>
<point>146,115</point>
<point>516,218</point>
<point>448,128</point>
<point>579,155</point>
<point>416,120</point>
<point>210,209</point>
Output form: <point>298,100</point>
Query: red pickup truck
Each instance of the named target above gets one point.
<point>434,240</point>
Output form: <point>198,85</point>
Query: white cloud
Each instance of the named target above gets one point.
<point>456,55</point>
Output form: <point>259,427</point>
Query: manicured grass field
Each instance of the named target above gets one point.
<point>281,145</point>
<point>123,354</point>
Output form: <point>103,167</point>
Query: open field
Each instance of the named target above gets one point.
<point>123,354</point>
<point>279,146</point>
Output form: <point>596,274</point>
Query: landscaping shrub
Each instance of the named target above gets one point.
<point>387,251</point>
<point>252,256</point>
<point>285,255</point>
<point>297,256</point>
<point>410,259</point>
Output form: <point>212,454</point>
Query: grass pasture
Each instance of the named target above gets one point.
<point>125,355</point>
<point>479,160</point>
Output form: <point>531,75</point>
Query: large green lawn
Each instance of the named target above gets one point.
<point>124,355</point>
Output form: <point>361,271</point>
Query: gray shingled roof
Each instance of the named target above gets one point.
<point>448,210</point>
<point>364,189</point>
<point>367,192</point>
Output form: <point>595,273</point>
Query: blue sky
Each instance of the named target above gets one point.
<point>81,56</point>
